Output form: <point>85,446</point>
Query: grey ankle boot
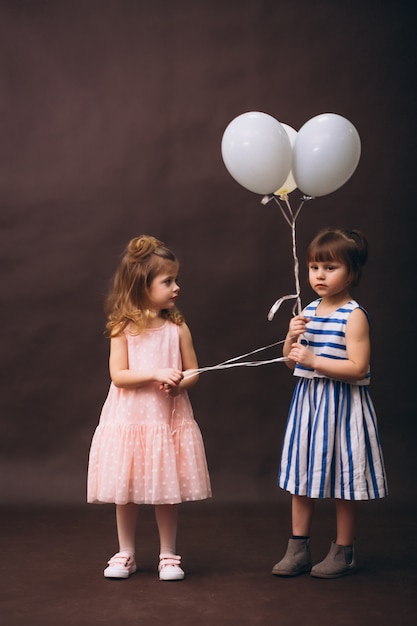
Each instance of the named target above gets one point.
<point>339,562</point>
<point>297,559</point>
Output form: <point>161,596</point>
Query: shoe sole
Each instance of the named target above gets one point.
<point>332,576</point>
<point>289,574</point>
<point>118,573</point>
<point>168,577</point>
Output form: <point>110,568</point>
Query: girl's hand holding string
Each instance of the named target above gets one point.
<point>169,380</point>
<point>189,377</point>
<point>170,390</point>
<point>298,353</point>
<point>301,354</point>
<point>168,376</point>
<point>297,327</point>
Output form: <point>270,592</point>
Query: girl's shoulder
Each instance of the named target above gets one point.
<point>351,305</point>
<point>356,306</point>
<point>358,315</point>
<point>183,329</point>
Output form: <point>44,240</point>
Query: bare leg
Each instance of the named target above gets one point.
<point>346,514</point>
<point>297,559</point>
<point>126,517</point>
<point>166,518</point>
<point>302,515</point>
<point>341,557</point>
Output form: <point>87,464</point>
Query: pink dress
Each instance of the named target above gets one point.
<point>147,447</point>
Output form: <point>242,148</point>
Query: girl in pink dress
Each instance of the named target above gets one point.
<point>147,448</point>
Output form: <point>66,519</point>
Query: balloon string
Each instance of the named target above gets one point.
<point>295,257</point>
<point>291,218</point>
<point>243,356</point>
<point>232,362</point>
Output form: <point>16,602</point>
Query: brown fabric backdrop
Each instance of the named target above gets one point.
<point>112,113</point>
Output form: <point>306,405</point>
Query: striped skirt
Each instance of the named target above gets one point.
<point>331,445</point>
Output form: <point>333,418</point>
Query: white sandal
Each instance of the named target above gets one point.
<point>169,567</point>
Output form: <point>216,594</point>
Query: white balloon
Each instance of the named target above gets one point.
<point>325,154</point>
<point>289,185</point>
<point>257,152</point>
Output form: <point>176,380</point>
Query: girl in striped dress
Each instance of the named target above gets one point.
<point>331,445</point>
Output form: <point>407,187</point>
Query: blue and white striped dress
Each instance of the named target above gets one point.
<point>331,446</point>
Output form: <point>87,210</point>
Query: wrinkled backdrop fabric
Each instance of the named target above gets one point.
<point>112,117</point>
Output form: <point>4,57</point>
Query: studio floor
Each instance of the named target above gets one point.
<point>53,558</point>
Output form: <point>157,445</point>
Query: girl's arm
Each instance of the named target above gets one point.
<point>126,378</point>
<point>189,363</point>
<point>358,349</point>
<point>189,357</point>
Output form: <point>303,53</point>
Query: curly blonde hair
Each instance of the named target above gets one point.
<point>127,304</point>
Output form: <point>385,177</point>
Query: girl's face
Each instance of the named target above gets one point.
<point>164,289</point>
<point>328,278</point>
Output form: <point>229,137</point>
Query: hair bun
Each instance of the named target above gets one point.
<point>361,243</point>
<point>142,247</point>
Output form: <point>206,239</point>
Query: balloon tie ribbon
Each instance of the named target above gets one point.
<point>291,218</point>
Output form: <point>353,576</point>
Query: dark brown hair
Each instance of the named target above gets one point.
<point>346,246</point>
